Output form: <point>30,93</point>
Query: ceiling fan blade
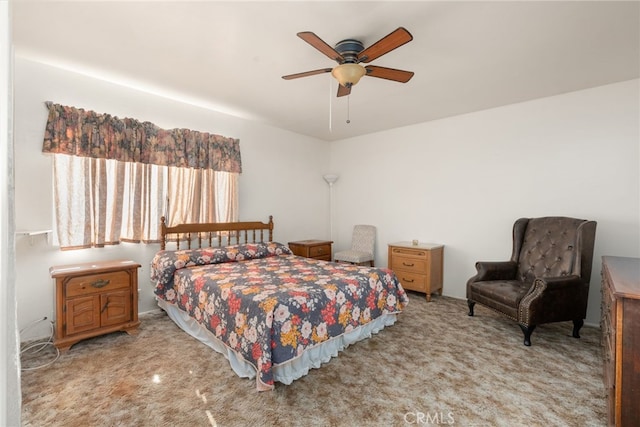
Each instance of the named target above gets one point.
<point>306,73</point>
<point>386,44</point>
<point>389,73</point>
<point>343,91</point>
<point>320,44</point>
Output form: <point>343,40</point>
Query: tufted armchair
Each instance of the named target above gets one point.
<point>547,278</point>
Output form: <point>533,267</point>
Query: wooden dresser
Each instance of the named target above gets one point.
<point>318,249</point>
<point>94,299</point>
<point>620,326</point>
<point>419,267</point>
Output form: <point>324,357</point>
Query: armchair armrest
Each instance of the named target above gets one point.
<point>494,270</point>
<point>554,299</point>
<point>558,283</point>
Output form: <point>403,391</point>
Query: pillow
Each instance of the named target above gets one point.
<point>165,263</point>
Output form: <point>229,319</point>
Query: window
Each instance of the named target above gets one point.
<point>102,202</point>
<point>114,178</point>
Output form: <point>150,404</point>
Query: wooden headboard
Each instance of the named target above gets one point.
<point>216,234</point>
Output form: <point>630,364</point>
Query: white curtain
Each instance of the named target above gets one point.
<point>201,196</point>
<point>102,202</point>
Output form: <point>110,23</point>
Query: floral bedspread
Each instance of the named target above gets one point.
<point>269,305</point>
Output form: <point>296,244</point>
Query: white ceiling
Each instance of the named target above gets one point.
<point>230,56</point>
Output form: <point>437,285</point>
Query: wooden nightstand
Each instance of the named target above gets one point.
<point>94,299</point>
<point>418,267</point>
<point>317,249</point>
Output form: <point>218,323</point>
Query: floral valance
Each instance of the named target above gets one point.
<point>77,132</point>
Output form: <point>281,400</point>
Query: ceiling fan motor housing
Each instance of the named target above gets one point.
<point>349,49</point>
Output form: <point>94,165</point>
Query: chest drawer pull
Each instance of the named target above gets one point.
<point>101,283</point>
<point>407,280</point>
<point>407,265</point>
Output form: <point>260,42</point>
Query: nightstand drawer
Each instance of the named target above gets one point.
<point>97,283</point>
<point>410,253</point>
<point>320,251</point>
<point>412,281</point>
<point>404,263</point>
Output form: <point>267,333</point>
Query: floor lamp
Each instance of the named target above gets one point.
<point>330,178</point>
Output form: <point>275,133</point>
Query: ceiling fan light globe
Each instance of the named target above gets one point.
<point>348,74</point>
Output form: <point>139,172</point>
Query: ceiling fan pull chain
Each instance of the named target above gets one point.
<point>348,98</point>
<point>330,105</point>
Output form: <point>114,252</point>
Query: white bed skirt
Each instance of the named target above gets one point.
<point>286,372</point>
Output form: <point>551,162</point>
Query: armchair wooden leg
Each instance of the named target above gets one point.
<point>577,324</point>
<point>471,304</point>
<point>527,330</point>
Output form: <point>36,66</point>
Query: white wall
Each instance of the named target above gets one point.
<point>463,181</point>
<point>10,395</point>
<point>278,167</point>
<point>460,181</point>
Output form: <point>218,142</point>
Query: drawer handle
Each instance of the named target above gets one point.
<point>320,250</point>
<point>407,265</point>
<point>106,305</point>
<point>408,280</point>
<point>101,283</point>
<point>409,252</point>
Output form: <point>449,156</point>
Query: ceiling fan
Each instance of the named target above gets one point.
<point>350,53</point>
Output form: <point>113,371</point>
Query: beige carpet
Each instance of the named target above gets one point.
<point>435,366</point>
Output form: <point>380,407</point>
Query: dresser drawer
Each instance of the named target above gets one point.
<point>97,283</point>
<point>609,364</point>
<point>608,320</point>
<point>607,295</point>
<point>608,336</point>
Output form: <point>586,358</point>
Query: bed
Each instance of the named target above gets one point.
<point>272,314</point>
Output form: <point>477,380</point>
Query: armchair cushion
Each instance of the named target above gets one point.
<point>501,295</point>
<point>354,257</point>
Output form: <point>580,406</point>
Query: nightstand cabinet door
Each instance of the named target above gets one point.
<point>115,308</point>
<point>82,314</point>
<point>94,299</point>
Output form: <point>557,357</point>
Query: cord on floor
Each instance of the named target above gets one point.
<point>39,345</point>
